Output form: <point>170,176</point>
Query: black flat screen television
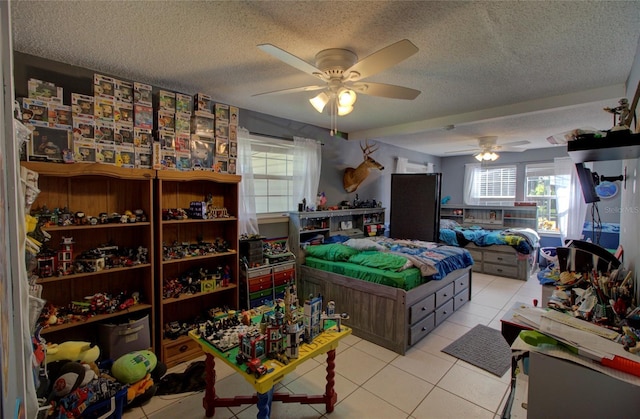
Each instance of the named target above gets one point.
<point>587,184</point>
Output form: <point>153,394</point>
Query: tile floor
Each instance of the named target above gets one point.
<point>373,382</point>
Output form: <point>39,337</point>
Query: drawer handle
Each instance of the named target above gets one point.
<point>424,328</point>
<point>444,312</point>
<point>183,348</point>
<point>499,270</point>
<point>445,295</point>
<point>424,309</point>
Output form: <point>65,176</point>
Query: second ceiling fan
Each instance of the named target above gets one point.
<point>342,75</point>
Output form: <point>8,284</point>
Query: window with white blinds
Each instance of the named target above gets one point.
<point>494,184</point>
<point>272,162</point>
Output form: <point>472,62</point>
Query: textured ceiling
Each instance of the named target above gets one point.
<point>518,70</point>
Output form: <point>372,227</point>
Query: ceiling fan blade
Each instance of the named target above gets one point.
<point>383,59</point>
<point>385,90</point>
<point>290,59</point>
<point>462,151</point>
<point>516,143</point>
<point>508,148</point>
<point>293,90</point>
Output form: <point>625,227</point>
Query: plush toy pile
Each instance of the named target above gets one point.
<point>72,382</point>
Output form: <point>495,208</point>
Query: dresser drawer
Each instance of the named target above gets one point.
<point>422,308</point>
<point>501,270</point>
<point>264,293</point>
<point>497,257</point>
<point>461,283</point>
<point>444,294</point>
<point>254,273</point>
<point>260,283</point>
<point>284,277</point>
<point>422,328</point>
<point>460,299</point>
<point>443,312</point>
<point>284,267</point>
<point>180,350</point>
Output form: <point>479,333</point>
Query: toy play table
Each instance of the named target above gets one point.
<point>326,342</point>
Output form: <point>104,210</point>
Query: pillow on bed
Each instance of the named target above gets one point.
<point>449,224</point>
<point>363,244</point>
<point>334,252</point>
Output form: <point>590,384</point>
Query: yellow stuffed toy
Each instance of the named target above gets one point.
<point>72,351</point>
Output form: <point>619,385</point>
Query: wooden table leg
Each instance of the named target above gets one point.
<point>330,395</point>
<point>209,400</point>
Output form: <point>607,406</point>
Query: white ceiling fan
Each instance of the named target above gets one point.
<point>342,75</point>
<point>488,147</point>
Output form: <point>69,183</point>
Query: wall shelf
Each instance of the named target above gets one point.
<point>615,146</point>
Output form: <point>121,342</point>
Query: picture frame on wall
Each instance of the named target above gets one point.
<point>49,143</point>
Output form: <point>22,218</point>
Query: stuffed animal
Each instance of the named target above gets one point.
<point>71,376</point>
<point>72,351</point>
<point>139,369</point>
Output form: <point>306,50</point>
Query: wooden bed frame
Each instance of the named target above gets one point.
<point>390,317</point>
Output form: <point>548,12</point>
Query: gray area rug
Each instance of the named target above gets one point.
<point>483,347</point>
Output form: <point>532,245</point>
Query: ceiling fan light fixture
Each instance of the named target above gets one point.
<point>486,156</point>
<point>346,97</point>
<point>320,101</point>
<point>344,110</point>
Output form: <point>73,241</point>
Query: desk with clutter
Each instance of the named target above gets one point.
<point>579,354</point>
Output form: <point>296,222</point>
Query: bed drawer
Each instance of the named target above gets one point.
<point>497,257</point>
<point>460,299</point>
<point>444,294</point>
<point>422,308</point>
<point>422,328</point>
<point>443,312</point>
<point>501,270</point>
<point>461,283</point>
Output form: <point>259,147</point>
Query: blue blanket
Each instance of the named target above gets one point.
<point>524,240</point>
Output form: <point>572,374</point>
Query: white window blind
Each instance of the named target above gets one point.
<point>495,183</point>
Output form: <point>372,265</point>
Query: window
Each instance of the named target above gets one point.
<point>540,186</point>
<point>491,185</point>
<point>272,161</point>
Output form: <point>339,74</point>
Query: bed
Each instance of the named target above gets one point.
<point>384,290</point>
<point>506,252</point>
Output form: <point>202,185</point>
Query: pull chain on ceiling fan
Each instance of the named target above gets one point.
<point>342,73</point>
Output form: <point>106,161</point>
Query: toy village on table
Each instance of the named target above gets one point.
<point>273,332</point>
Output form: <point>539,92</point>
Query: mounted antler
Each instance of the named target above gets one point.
<point>353,177</point>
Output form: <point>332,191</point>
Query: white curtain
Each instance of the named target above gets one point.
<point>572,209</point>
<point>306,170</point>
<point>470,171</point>
<point>247,219</point>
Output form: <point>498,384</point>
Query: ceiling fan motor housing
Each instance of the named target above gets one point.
<point>334,61</point>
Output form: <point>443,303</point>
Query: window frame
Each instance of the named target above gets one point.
<point>497,200</point>
<point>546,202</point>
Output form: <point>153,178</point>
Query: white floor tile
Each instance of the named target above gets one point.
<point>477,388</point>
<point>398,388</point>
<point>363,404</point>
<point>443,405</point>
<point>376,351</point>
<point>357,366</point>
<point>451,330</point>
<point>423,365</point>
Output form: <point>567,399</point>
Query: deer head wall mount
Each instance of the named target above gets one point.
<point>352,178</point>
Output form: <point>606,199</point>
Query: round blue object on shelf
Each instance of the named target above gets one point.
<point>607,189</point>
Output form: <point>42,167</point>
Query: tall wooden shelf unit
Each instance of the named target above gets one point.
<point>177,190</point>
<point>94,189</point>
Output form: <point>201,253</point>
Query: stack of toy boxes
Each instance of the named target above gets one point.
<point>234,116</point>
<point>104,112</point>
<point>143,124</point>
<point>222,138</point>
<point>184,108</point>
<point>202,129</point>
<point>49,120</point>
<point>166,129</point>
